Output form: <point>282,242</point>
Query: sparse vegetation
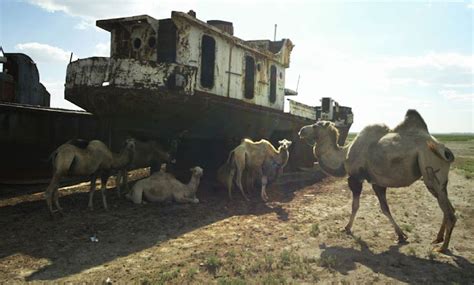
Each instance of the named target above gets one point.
<point>165,277</point>
<point>314,232</point>
<point>328,261</point>
<point>454,137</point>
<point>212,264</point>
<point>407,227</point>
<point>231,281</point>
<point>411,251</point>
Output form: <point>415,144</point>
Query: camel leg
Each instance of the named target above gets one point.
<point>435,176</point>
<point>125,180</point>
<point>56,200</point>
<point>440,235</point>
<point>449,219</point>
<point>91,192</point>
<point>119,182</point>
<point>264,186</point>
<point>381,195</point>
<point>229,182</point>
<point>103,188</point>
<point>238,181</point>
<point>186,200</point>
<point>356,187</point>
<point>53,185</point>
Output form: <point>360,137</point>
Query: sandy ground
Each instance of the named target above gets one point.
<point>295,238</point>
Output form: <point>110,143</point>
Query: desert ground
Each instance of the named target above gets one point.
<point>295,238</point>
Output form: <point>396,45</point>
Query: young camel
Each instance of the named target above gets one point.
<point>162,187</point>
<point>388,158</point>
<point>146,154</point>
<point>257,159</point>
<point>83,158</point>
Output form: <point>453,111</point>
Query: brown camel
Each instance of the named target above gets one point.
<point>388,158</point>
<point>257,159</point>
<point>147,153</point>
<point>84,158</point>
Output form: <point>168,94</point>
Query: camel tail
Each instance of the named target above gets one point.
<point>441,151</point>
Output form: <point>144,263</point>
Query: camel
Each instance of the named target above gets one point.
<point>388,158</point>
<point>86,158</point>
<point>146,154</point>
<point>257,159</point>
<point>164,187</point>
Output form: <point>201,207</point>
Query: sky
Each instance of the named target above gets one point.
<point>378,57</point>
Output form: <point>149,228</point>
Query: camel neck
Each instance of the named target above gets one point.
<point>121,159</point>
<point>331,157</point>
<point>194,182</point>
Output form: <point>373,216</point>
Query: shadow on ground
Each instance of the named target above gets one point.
<point>125,229</point>
<point>400,266</point>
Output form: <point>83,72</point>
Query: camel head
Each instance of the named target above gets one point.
<point>315,132</point>
<point>197,171</point>
<point>284,144</point>
<point>129,146</point>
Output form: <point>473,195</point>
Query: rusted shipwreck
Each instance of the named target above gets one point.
<point>177,79</point>
<point>185,77</point>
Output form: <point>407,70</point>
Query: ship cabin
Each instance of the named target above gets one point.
<point>183,54</point>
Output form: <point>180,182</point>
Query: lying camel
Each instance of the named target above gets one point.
<point>388,158</point>
<point>259,160</point>
<point>162,187</point>
<point>86,158</point>
<point>146,154</point>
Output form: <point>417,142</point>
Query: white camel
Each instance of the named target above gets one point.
<point>388,158</point>
<point>162,187</point>
<point>258,160</point>
<point>84,158</point>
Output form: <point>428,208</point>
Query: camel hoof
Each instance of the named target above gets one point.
<point>402,240</point>
<point>346,230</point>
<point>440,249</point>
<point>437,240</point>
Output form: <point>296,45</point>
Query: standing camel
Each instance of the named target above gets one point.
<point>258,159</point>
<point>83,158</point>
<point>388,158</point>
<point>147,153</point>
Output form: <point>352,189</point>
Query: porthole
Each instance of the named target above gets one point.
<point>281,75</point>
<point>137,43</point>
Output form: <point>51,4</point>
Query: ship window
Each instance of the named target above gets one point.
<point>249,77</point>
<point>281,75</point>
<point>137,43</point>
<point>152,42</point>
<point>259,67</point>
<point>208,58</point>
<point>166,42</point>
<point>273,79</point>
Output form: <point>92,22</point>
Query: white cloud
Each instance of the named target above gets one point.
<point>432,60</point>
<point>44,53</point>
<point>456,96</point>
<point>102,49</point>
<point>88,11</point>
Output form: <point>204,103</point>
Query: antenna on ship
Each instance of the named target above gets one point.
<point>275,33</point>
<point>298,83</point>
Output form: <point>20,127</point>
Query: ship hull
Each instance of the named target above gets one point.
<point>208,126</point>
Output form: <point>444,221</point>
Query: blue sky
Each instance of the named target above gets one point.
<point>381,58</point>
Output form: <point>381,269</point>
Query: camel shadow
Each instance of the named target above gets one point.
<point>397,265</point>
<point>124,230</point>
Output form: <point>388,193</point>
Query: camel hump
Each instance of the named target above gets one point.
<point>413,120</point>
<point>80,143</point>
